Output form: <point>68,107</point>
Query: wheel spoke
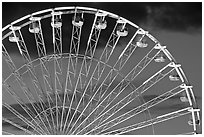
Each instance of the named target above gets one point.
<point>137,110</point>
<point>156,120</point>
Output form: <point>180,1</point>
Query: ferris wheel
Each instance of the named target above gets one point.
<point>79,70</point>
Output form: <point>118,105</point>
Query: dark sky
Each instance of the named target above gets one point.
<point>172,16</point>
<point>176,17</point>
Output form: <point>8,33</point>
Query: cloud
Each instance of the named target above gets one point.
<point>173,16</point>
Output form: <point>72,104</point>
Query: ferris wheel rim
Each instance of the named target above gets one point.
<point>167,53</point>
<point>95,10</point>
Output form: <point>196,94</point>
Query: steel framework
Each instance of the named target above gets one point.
<point>82,98</point>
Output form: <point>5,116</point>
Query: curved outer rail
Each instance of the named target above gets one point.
<point>49,11</point>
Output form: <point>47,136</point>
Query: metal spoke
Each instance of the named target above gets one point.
<point>137,110</point>
<point>7,133</point>
<point>138,90</point>
<point>156,120</point>
<point>57,43</point>
<point>74,48</point>
<point>29,96</point>
<point>120,84</point>
<point>108,50</point>
<point>22,84</point>
<point>17,126</point>
<point>37,129</point>
<point>90,50</point>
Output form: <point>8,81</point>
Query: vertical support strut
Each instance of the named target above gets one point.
<point>73,63</point>
<point>195,118</point>
<point>187,88</point>
<point>57,43</point>
<point>35,28</point>
<point>107,52</point>
<point>92,43</point>
<point>21,44</point>
<point>36,24</point>
<point>8,59</point>
<point>40,44</point>
<point>28,62</point>
<point>85,67</point>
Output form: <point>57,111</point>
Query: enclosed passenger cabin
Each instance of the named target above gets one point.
<point>184,99</point>
<point>34,27</point>
<point>122,32</point>
<point>160,58</point>
<point>13,38</point>
<point>141,41</point>
<point>142,44</point>
<point>57,23</point>
<point>190,122</point>
<point>78,21</point>
<point>101,24</point>
<point>174,77</point>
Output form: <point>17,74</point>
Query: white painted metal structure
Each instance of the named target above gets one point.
<point>81,98</point>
